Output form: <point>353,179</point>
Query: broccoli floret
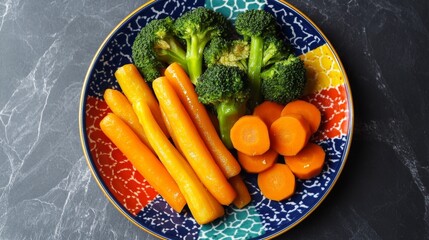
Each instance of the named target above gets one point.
<point>275,49</point>
<point>256,25</point>
<point>227,52</point>
<point>197,28</point>
<point>284,81</point>
<point>225,88</point>
<point>155,46</point>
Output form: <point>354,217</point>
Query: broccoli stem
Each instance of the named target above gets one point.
<point>194,56</point>
<point>254,69</point>
<point>172,52</point>
<point>171,57</point>
<point>227,114</point>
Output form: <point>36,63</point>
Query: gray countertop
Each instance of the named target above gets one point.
<point>48,192</point>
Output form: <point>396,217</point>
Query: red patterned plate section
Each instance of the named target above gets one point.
<point>126,184</point>
<point>326,89</point>
<point>332,103</point>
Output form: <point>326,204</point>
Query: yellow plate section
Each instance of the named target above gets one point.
<point>323,71</point>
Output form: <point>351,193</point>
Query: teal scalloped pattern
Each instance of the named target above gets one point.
<point>239,223</point>
<point>231,8</point>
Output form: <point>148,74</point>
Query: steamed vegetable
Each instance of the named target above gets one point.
<point>308,163</point>
<point>254,26</point>
<point>197,28</point>
<point>268,111</point>
<point>309,111</point>
<point>122,108</point>
<point>136,89</point>
<point>250,135</point>
<point>143,159</point>
<point>274,73</point>
<point>191,144</point>
<point>227,52</point>
<point>277,183</point>
<point>156,46</point>
<point>289,134</point>
<point>225,88</point>
<point>284,81</point>
<point>203,206</point>
<point>243,196</point>
<point>200,116</point>
<point>257,163</point>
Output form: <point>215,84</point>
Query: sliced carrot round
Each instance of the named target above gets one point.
<point>277,183</point>
<point>268,111</point>
<point>249,135</point>
<point>307,110</point>
<point>257,163</point>
<point>289,134</point>
<point>308,163</point>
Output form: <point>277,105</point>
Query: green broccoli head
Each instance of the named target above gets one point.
<point>202,23</point>
<point>220,84</point>
<point>284,81</point>
<point>256,25</point>
<point>146,60</point>
<point>197,28</point>
<point>155,46</point>
<point>275,49</point>
<point>225,88</point>
<point>227,52</point>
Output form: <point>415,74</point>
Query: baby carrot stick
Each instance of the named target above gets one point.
<point>135,88</point>
<point>143,159</point>
<point>289,134</point>
<point>310,112</point>
<point>122,108</point>
<point>170,130</point>
<point>243,196</point>
<point>257,163</point>
<point>203,206</point>
<point>308,163</point>
<point>249,135</point>
<point>191,144</point>
<point>199,115</point>
<point>277,183</point>
<point>268,111</point>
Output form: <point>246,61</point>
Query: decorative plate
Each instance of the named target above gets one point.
<point>128,191</point>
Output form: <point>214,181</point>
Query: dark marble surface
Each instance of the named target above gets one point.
<point>48,192</point>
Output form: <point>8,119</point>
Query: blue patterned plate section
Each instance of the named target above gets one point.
<point>262,218</point>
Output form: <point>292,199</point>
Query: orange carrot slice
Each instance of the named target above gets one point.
<point>308,163</point>
<point>309,111</point>
<point>268,111</point>
<point>257,163</point>
<point>203,206</point>
<point>199,115</point>
<point>249,135</point>
<point>243,196</point>
<point>136,89</point>
<point>289,134</point>
<point>277,183</point>
<point>143,159</point>
<point>191,144</point>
